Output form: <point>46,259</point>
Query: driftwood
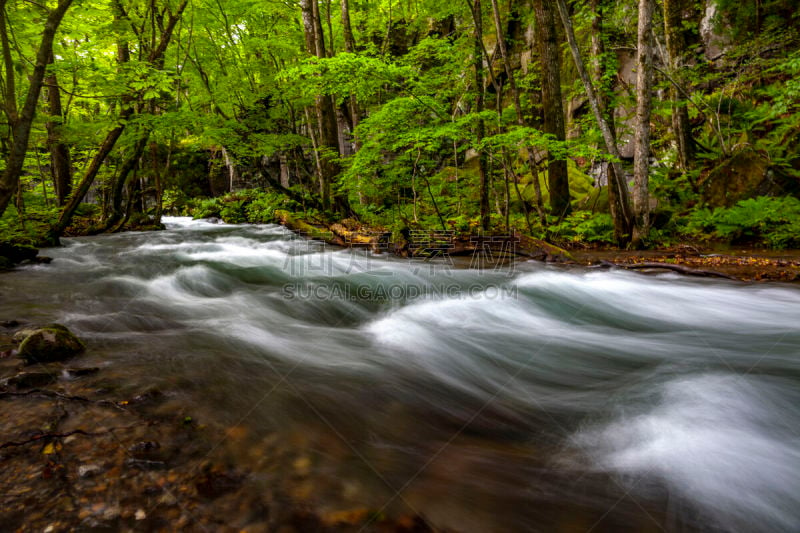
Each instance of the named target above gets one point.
<point>668,266</point>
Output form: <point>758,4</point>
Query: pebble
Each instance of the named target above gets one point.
<point>167,499</point>
<point>140,514</point>
<point>88,470</point>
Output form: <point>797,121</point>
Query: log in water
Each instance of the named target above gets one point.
<point>511,398</point>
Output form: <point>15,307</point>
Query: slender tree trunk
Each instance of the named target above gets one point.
<point>350,47</point>
<point>512,83</point>
<point>599,67</point>
<point>159,182</point>
<point>85,184</point>
<point>128,165</point>
<point>328,142</point>
<point>552,106</point>
<point>60,161</point>
<point>480,129</point>
<point>284,166</point>
<point>675,44</point>
<point>349,41</point>
<point>155,58</point>
<point>9,181</point>
<point>618,199</point>
<point>644,89</point>
<point>10,92</point>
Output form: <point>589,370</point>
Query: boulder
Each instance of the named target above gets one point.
<point>31,380</point>
<point>53,342</point>
<point>13,253</point>
<point>745,174</point>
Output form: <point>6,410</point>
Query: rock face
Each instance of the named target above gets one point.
<point>53,342</point>
<point>715,41</point>
<point>746,174</point>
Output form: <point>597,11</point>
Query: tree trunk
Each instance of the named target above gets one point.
<point>552,107</point>
<point>644,88</point>
<point>9,181</point>
<point>10,93</point>
<point>122,178</point>
<point>350,46</point>
<point>328,142</point>
<point>599,67</point>
<point>675,43</point>
<point>155,58</point>
<point>618,199</point>
<point>60,161</point>
<point>349,41</point>
<point>518,109</point>
<point>480,129</point>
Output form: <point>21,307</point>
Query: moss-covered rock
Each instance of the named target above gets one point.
<point>13,253</point>
<point>53,342</point>
<point>746,174</point>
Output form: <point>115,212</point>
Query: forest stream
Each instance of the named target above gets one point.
<point>522,397</point>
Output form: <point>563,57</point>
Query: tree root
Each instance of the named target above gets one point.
<point>669,266</point>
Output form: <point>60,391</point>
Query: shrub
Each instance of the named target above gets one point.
<point>585,226</point>
<point>774,222</point>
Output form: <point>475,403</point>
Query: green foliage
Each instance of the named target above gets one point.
<point>206,208</point>
<point>771,221</point>
<point>247,206</point>
<point>584,227</point>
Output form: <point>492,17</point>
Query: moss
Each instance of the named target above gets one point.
<point>53,342</point>
<point>14,253</point>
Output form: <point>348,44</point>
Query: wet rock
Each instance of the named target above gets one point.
<point>30,380</point>
<point>17,253</point>
<point>53,342</point>
<point>167,499</point>
<point>42,260</point>
<point>350,517</point>
<point>22,334</point>
<point>745,174</point>
<point>145,449</point>
<point>415,524</point>
<point>146,464</point>
<point>304,520</point>
<point>9,323</point>
<point>148,397</point>
<point>72,373</point>
<point>213,482</point>
<point>86,471</point>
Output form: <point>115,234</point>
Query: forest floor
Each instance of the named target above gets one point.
<point>744,264</point>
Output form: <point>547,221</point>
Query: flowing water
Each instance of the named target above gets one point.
<point>512,398</point>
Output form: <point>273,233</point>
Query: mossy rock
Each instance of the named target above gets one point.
<point>53,342</point>
<point>13,253</point>
<point>746,174</point>
<point>307,230</point>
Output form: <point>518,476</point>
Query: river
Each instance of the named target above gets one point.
<point>520,397</point>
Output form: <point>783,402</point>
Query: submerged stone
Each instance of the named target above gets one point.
<point>29,380</point>
<point>53,342</point>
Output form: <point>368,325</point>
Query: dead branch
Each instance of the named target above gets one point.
<point>669,266</point>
